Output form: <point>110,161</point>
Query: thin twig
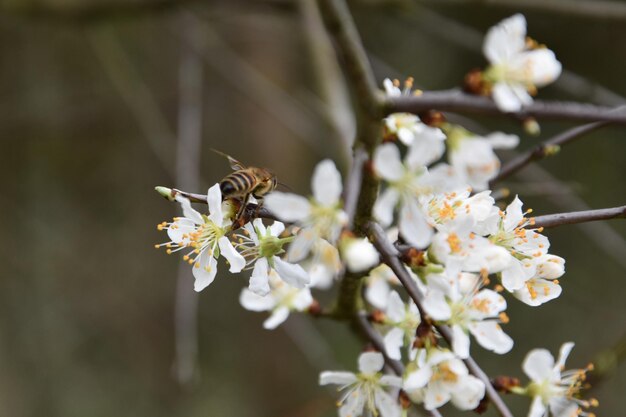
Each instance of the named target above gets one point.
<point>187,176</point>
<point>559,219</point>
<point>353,182</point>
<point>544,149</point>
<point>389,255</point>
<point>598,9</point>
<point>342,29</point>
<point>377,341</point>
<point>457,101</point>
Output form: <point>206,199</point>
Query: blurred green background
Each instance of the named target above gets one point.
<point>90,115</point>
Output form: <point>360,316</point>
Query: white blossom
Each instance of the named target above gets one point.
<point>358,254</point>
<point>403,319</point>
<point>408,185</point>
<point>437,376</point>
<point>458,300</point>
<point>516,69</point>
<point>378,286</point>
<point>473,156</point>
<point>555,391</point>
<point>281,300</point>
<point>509,230</point>
<point>204,237</point>
<point>320,217</point>
<point>260,246</point>
<point>365,389</point>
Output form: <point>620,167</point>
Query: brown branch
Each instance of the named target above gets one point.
<point>389,255</point>
<point>598,9</point>
<point>457,101</point>
<point>544,149</point>
<point>575,217</point>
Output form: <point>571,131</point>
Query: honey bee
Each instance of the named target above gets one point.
<point>245,182</point>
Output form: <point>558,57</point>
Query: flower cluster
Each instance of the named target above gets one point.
<point>468,254</point>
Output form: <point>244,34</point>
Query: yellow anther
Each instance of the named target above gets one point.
<point>169,251</point>
<point>503,317</point>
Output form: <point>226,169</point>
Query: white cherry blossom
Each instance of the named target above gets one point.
<point>260,245</point>
<point>515,68</point>
<point>281,300</point>
<point>408,185</point>
<point>544,285</point>
<point>365,390</point>
<point>555,391</point>
<point>509,230</point>
<point>437,376</point>
<point>447,210</point>
<point>403,319</point>
<point>320,217</point>
<point>473,156</point>
<point>378,286</point>
<point>474,253</point>
<point>358,253</point>
<point>204,237</point>
<point>457,300</point>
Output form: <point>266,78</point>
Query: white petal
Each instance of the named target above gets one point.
<point>326,183</point>
<point>514,277</point>
<point>385,205</point>
<point>435,396</point>
<point>287,207</point>
<point>386,404</point>
<point>277,228</point>
<point>468,394</point>
<point>487,303</point>
<point>236,261</point>
<point>414,227</point>
<point>427,148</point>
<point>505,98</point>
<point>436,305</point>
<point>537,408</point>
<point>538,364</point>
<point>301,245</point>
<point>205,272</point>
<point>395,308</point>
<point>292,274</point>
<point>499,140</point>
<point>418,379</point>
<point>254,302</point>
<point>391,381</point>
<point>278,316</point>
<point>539,65</point>
<point>564,352</point>
<point>359,255</point>
<point>371,362</point>
<point>550,266</point>
<point>214,199</point>
<point>460,342</point>
<point>181,228</point>
<point>302,300</point>
<point>393,341</point>
<point>542,292</point>
<point>506,39</point>
<point>387,162</point>
<point>490,335</point>
<point>353,405</point>
<point>377,292</point>
<point>188,211</point>
<point>259,280</point>
<point>337,378</point>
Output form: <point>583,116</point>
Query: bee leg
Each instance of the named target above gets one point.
<point>241,219</point>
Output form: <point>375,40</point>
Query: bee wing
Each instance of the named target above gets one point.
<point>234,164</point>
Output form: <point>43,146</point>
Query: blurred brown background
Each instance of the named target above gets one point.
<point>90,115</point>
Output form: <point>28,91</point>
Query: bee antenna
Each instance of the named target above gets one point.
<point>284,185</point>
